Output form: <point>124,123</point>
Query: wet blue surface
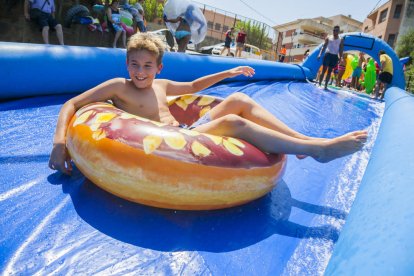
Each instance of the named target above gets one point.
<point>56,224</point>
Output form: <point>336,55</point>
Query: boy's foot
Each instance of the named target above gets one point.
<point>341,146</point>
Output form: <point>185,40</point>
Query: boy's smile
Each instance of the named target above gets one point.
<point>143,68</point>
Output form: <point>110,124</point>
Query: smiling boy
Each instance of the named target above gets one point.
<point>237,116</point>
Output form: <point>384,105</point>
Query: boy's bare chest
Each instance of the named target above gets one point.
<point>148,105</point>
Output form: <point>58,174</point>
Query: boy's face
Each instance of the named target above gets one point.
<point>142,68</point>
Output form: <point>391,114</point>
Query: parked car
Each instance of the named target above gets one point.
<point>249,51</point>
<point>209,49</point>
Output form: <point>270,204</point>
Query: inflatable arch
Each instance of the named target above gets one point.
<point>368,44</point>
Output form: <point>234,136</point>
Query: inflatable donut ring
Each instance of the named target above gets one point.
<point>165,166</point>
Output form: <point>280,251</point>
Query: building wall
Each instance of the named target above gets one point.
<point>385,27</point>
<point>303,34</point>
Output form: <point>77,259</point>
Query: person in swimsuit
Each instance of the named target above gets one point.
<point>114,20</point>
<point>236,116</point>
<point>182,34</point>
<point>341,70</point>
<point>334,46</point>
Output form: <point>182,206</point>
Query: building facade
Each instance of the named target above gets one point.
<point>385,21</point>
<point>306,34</point>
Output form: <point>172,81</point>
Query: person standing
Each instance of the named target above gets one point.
<point>43,12</point>
<point>306,54</point>
<point>386,73</point>
<point>334,46</point>
<point>139,17</point>
<point>356,74</point>
<point>240,40</point>
<point>228,40</point>
<point>282,54</point>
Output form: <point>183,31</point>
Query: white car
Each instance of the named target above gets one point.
<point>249,51</point>
<point>209,49</point>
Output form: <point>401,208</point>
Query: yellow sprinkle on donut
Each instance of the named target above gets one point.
<point>175,140</point>
<point>216,139</point>
<point>200,150</point>
<point>104,117</point>
<point>132,116</point>
<point>205,100</point>
<point>99,134</point>
<point>82,118</point>
<point>189,132</point>
<point>158,123</point>
<point>151,143</point>
<point>232,148</point>
<point>189,99</point>
<point>181,103</point>
<point>236,142</point>
<point>204,111</point>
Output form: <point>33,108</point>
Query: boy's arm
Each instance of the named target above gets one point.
<point>341,48</point>
<point>178,88</point>
<point>59,158</point>
<point>323,48</point>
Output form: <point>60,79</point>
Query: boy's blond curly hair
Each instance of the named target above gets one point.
<point>146,41</point>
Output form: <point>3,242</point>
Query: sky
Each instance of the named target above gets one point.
<point>275,12</point>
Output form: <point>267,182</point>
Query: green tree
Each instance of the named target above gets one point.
<point>150,8</point>
<point>405,48</point>
<point>256,33</point>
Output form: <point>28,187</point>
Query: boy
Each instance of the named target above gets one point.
<point>237,116</point>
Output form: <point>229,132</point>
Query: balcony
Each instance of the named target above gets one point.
<point>315,26</point>
<point>309,38</point>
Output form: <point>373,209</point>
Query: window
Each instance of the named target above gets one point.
<point>225,28</point>
<point>391,40</point>
<point>210,25</point>
<point>383,16</point>
<point>217,27</point>
<point>397,11</point>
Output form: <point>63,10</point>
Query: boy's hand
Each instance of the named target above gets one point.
<point>60,159</point>
<point>245,70</point>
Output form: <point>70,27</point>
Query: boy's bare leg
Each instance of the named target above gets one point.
<point>272,141</point>
<point>45,34</point>
<point>245,107</point>
<point>59,34</point>
<point>117,35</point>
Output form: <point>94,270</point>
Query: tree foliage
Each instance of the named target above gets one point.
<point>405,48</point>
<point>152,9</point>
<point>256,33</point>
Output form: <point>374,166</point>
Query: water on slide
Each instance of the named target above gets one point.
<point>65,225</point>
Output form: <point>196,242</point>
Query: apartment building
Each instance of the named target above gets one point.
<point>384,22</point>
<point>303,34</point>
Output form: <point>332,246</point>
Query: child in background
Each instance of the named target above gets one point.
<point>114,20</point>
<point>341,70</point>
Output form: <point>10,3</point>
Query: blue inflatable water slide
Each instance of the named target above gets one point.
<point>351,216</point>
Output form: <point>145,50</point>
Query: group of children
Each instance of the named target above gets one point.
<point>365,76</point>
